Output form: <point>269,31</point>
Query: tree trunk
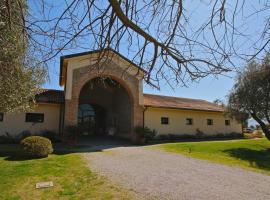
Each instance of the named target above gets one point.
<point>263,126</point>
<point>266,132</point>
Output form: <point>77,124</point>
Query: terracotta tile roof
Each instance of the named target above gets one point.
<point>180,103</point>
<point>57,96</point>
<point>50,96</point>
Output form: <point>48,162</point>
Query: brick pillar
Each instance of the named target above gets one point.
<point>71,112</point>
<point>137,118</point>
<point>137,114</point>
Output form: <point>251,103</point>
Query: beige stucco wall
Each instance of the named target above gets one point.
<point>15,123</point>
<point>177,122</point>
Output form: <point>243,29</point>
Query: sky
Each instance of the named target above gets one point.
<point>209,88</point>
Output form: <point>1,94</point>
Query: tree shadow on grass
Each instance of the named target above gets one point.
<point>13,152</point>
<point>256,158</point>
<point>15,156</point>
<point>18,155</point>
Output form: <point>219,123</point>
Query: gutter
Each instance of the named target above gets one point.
<point>61,119</point>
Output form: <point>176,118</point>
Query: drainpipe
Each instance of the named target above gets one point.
<point>144,109</point>
<point>62,118</point>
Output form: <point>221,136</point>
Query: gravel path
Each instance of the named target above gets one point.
<point>161,175</point>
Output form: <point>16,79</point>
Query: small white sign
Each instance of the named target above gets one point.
<point>44,185</point>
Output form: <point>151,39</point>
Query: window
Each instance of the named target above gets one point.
<point>210,122</point>
<point>189,121</point>
<point>1,117</point>
<point>164,120</point>
<point>34,117</point>
<point>227,122</point>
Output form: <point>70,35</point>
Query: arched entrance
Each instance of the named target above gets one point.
<point>90,118</point>
<point>104,108</point>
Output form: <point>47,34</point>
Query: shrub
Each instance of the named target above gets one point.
<point>144,134</point>
<point>163,137</point>
<point>188,136</point>
<point>255,134</point>
<point>248,136</point>
<point>219,135</point>
<point>235,135</point>
<point>37,146</point>
<point>199,133</point>
<point>51,135</point>
<point>7,139</point>
<point>149,134</point>
<point>258,134</point>
<point>11,139</point>
<point>72,131</point>
<point>22,135</point>
<point>172,137</point>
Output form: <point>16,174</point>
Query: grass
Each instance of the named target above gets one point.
<point>71,177</point>
<point>249,154</point>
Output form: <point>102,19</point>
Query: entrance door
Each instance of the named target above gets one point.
<point>87,119</point>
<point>91,119</point>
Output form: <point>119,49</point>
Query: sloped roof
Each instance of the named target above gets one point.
<point>63,66</point>
<point>150,100</point>
<point>180,103</point>
<point>50,96</point>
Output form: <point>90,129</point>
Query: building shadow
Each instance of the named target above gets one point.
<point>256,158</point>
<point>92,144</point>
<point>14,156</point>
<point>13,152</point>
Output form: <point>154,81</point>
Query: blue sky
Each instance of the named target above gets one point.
<point>209,88</point>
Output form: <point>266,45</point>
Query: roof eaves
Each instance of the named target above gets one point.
<point>178,108</point>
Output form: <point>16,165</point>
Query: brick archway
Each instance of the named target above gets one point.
<point>82,76</point>
<point>83,82</point>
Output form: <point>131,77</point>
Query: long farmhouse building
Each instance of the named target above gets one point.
<point>108,94</point>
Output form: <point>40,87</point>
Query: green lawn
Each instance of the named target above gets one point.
<point>248,154</point>
<point>70,175</point>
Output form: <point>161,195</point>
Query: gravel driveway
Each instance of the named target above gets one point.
<point>160,175</point>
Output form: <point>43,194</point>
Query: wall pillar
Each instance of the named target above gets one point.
<point>71,112</point>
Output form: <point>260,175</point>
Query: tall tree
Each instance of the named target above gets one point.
<point>20,77</point>
<point>175,41</point>
<point>251,93</point>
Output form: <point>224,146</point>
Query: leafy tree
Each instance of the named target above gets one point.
<point>251,93</point>
<point>19,75</point>
<point>219,102</point>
